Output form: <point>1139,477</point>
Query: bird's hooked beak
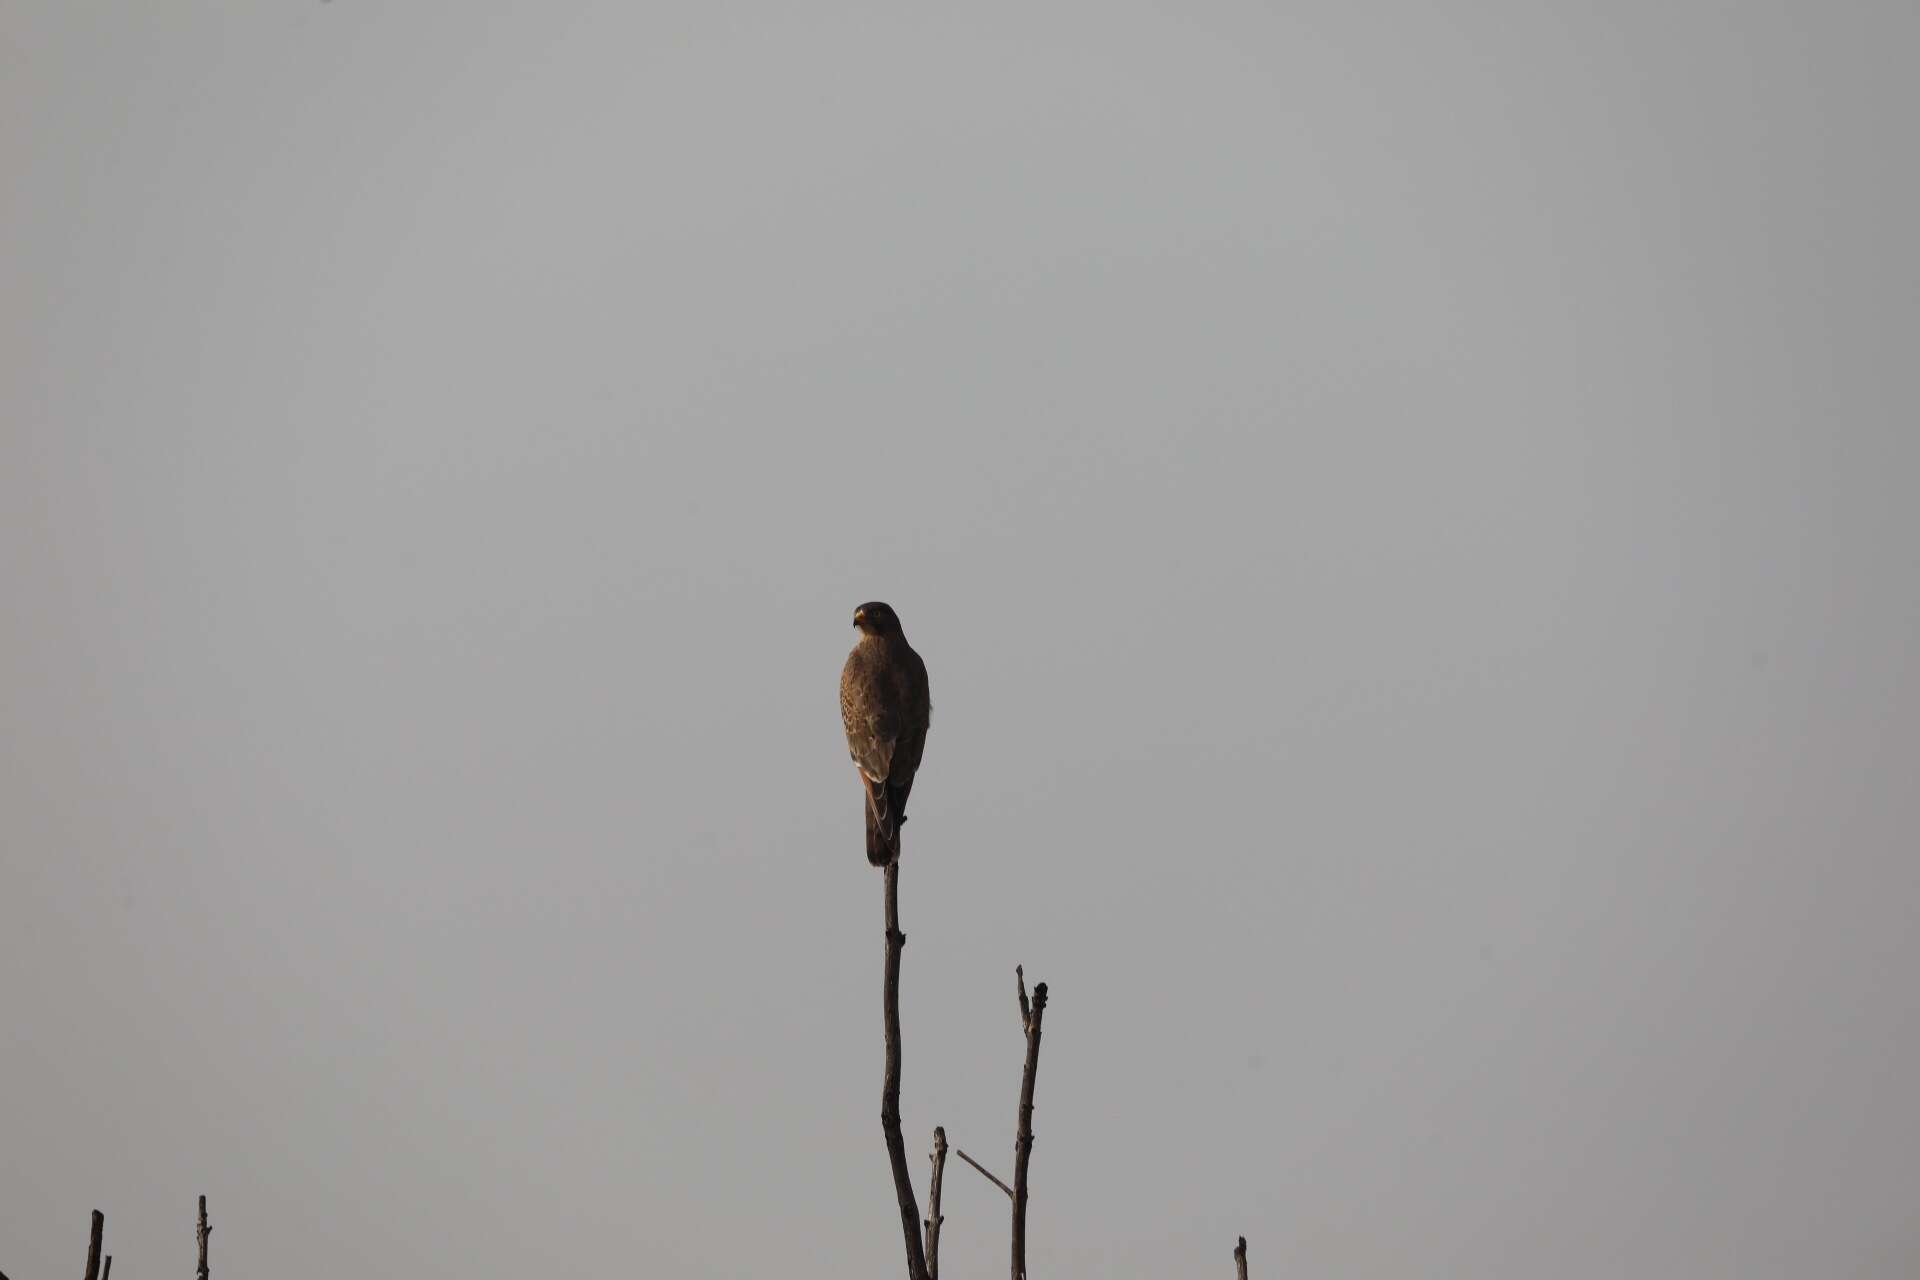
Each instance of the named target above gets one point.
<point>859,616</point>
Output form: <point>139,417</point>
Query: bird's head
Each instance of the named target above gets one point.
<point>876,619</point>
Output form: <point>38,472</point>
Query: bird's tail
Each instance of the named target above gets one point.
<point>883,826</point>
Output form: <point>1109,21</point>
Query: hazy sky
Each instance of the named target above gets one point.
<point>1408,510</point>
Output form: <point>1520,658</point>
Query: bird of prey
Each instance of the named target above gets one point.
<point>884,704</point>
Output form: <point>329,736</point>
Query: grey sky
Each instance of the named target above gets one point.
<point>1407,509</point>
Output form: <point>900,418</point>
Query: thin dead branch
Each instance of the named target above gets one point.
<point>934,1216</point>
<point>1240,1258</point>
<point>93,1244</point>
<point>983,1172</point>
<point>890,1083</point>
<point>204,1230</point>
<point>1030,1016</point>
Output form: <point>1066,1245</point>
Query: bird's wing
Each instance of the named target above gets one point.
<point>872,723</point>
<point>872,746</point>
<point>916,709</point>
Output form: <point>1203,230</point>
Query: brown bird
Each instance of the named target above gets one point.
<point>884,704</point>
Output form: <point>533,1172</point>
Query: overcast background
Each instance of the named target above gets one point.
<point>1408,510</point>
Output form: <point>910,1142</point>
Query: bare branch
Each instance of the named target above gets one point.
<point>106,1268</point>
<point>983,1172</point>
<point>93,1244</point>
<point>1020,979</point>
<point>890,1083</point>
<point>934,1216</point>
<point>1240,1258</point>
<point>1023,1136</point>
<point>201,1232</point>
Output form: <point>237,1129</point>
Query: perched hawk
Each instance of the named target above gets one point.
<point>883,700</point>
